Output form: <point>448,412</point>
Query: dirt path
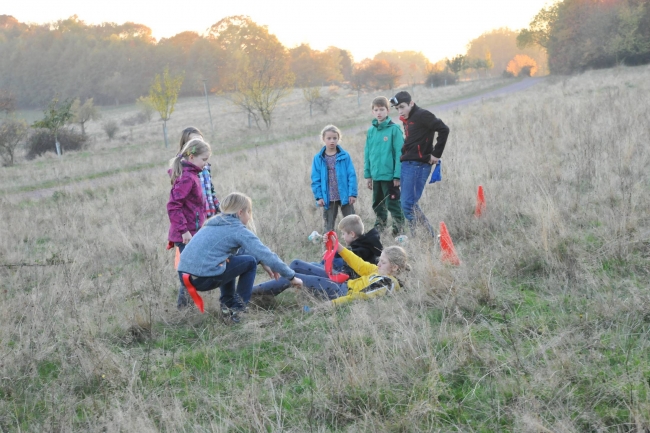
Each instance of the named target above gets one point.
<point>103,181</point>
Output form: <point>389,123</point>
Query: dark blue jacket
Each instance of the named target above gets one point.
<point>345,175</point>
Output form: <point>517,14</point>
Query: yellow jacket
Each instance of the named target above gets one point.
<point>369,285</point>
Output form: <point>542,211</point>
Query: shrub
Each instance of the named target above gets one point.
<point>136,119</point>
<point>146,108</point>
<point>323,103</point>
<point>440,78</point>
<point>12,133</point>
<point>110,128</point>
<point>42,140</point>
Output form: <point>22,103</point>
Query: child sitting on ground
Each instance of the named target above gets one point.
<point>367,246</point>
<point>375,280</point>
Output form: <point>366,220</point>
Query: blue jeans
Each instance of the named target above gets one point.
<point>413,180</point>
<point>243,267</point>
<point>313,278</point>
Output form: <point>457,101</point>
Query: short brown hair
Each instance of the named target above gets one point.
<point>379,101</point>
<point>352,223</point>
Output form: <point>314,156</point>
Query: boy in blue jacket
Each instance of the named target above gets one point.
<point>333,178</point>
<point>382,166</point>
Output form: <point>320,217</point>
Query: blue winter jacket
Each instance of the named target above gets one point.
<point>345,175</point>
<point>220,237</point>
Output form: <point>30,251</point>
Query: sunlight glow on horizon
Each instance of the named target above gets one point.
<point>361,27</point>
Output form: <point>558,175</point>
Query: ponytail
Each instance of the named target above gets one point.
<point>193,147</point>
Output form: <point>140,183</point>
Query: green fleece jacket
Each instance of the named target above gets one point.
<point>383,148</point>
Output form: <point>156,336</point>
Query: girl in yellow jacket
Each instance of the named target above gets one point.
<point>375,280</point>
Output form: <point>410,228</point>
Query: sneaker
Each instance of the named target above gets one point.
<point>183,300</point>
<point>230,313</point>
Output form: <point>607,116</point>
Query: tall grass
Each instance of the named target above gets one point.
<point>544,326</point>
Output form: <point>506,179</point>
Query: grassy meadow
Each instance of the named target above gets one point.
<point>543,327</point>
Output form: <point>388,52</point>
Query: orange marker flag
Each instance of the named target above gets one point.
<point>448,253</point>
<point>480,202</point>
<point>177,258</point>
<point>193,292</point>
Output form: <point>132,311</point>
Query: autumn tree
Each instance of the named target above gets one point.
<point>522,66</point>
<point>313,67</point>
<point>83,113</point>
<point>55,117</point>
<point>412,64</point>
<point>259,65</point>
<point>163,94</point>
<point>497,47</point>
<point>581,34</point>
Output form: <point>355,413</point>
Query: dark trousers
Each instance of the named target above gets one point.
<point>313,279</point>
<point>329,215</point>
<point>381,201</point>
<point>243,267</point>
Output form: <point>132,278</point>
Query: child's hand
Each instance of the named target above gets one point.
<point>187,237</point>
<point>321,202</point>
<point>296,282</point>
<point>272,274</point>
<point>352,200</point>
<point>396,183</point>
<point>369,183</point>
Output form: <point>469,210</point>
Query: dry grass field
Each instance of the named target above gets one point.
<point>544,326</point>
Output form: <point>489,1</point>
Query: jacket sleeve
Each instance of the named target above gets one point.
<point>366,158</point>
<point>315,178</point>
<point>398,142</point>
<point>355,262</point>
<point>253,246</point>
<point>181,189</point>
<point>351,296</point>
<point>352,179</point>
<point>436,125</point>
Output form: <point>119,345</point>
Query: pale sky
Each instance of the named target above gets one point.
<point>436,28</point>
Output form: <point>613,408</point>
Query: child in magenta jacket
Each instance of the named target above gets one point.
<point>185,207</point>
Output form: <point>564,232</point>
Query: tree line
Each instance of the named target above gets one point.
<point>589,34</point>
<point>116,63</point>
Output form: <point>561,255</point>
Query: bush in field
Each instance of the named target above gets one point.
<point>41,141</point>
<point>136,119</point>
<point>12,134</point>
<point>110,128</point>
<point>441,78</point>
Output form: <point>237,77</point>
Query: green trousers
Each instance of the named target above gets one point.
<point>381,201</point>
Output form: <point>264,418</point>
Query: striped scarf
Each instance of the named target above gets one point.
<point>210,200</point>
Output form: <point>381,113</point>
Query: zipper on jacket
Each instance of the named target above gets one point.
<point>197,221</point>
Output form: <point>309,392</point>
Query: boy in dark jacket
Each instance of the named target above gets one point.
<point>367,246</point>
<point>418,155</point>
<point>382,166</point>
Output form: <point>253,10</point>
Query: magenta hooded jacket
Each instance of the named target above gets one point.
<point>185,206</point>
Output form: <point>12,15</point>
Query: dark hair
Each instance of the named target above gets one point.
<point>185,135</point>
<point>400,97</point>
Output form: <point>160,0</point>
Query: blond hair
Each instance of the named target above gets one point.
<point>193,147</point>
<point>235,202</point>
<point>352,223</point>
<point>397,256</point>
<point>379,101</point>
<point>330,128</point>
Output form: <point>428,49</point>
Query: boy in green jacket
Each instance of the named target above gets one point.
<point>381,167</point>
